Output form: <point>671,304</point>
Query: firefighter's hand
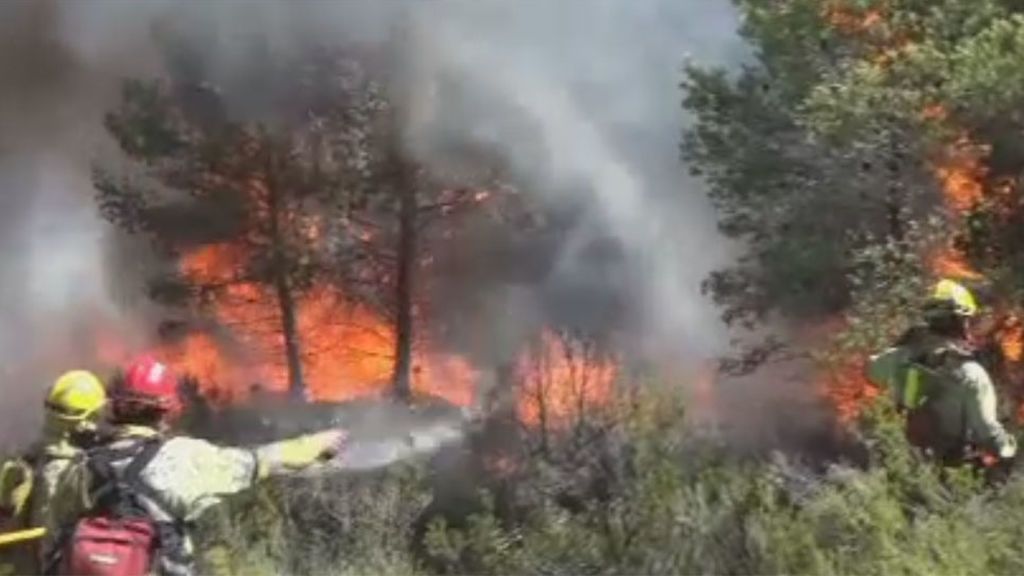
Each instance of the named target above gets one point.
<point>298,453</point>
<point>332,443</point>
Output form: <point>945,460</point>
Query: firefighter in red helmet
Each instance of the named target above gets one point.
<point>175,478</point>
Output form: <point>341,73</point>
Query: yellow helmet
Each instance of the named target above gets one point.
<point>950,296</point>
<point>76,396</point>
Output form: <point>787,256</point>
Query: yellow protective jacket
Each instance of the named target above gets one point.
<point>940,382</point>
<point>27,487</point>
<point>187,476</point>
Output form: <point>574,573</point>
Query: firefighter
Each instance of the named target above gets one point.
<point>73,407</point>
<point>946,395</point>
<point>176,478</point>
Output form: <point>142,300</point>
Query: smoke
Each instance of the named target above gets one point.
<point>578,98</point>
<point>54,264</point>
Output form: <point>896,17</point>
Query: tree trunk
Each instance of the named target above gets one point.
<point>895,195</point>
<point>283,289</point>
<point>406,262</point>
<point>292,349</point>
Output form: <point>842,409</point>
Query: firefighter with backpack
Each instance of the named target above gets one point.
<point>72,421</point>
<point>946,395</point>
<point>126,508</point>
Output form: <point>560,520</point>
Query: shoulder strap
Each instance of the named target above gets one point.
<point>107,482</point>
<point>131,477</point>
<point>149,450</point>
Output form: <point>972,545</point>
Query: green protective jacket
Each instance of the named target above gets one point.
<point>942,380</point>
<point>27,487</point>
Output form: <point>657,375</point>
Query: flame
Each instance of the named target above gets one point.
<point>1011,338</point>
<point>961,174</point>
<point>950,263</point>
<point>347,349</point>
<point>848,389</point>
<point>934,113</point>
<point>961,170</point>
<point>560,380</point>
<point>849,20</point>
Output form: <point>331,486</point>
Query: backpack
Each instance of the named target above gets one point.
<point>923,427</point>
<point>117,536</point>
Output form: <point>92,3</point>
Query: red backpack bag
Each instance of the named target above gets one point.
<point>117,536</point>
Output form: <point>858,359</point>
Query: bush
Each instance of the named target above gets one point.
<point>329,525</point>
<point>635,492</point>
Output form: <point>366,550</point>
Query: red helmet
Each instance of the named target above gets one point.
<point>147,381</point>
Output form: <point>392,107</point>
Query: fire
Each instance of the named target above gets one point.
<point>842,383</point>
<point>562,379</point>
<point>950,263</point>
<point>961,173</point>
<point>849,20</point>
<point>1010,337</point>
<point>347,348</point>
<point>849,389</point>
<point>199,355</point>
<point>934,113</point>
<point>961,170</point>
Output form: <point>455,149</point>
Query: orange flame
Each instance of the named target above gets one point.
<point>1010,336</point>
<point>347,349</point>
<point>849,389</point>
<point>849,20</point>
<point>561,380</point>
<point>950,263</point>
<point>962,173</point>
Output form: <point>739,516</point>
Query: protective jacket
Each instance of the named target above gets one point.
<point>948,397</point>
<point>184,478</point>
<point>27,486</point>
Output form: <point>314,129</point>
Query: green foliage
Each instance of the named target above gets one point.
<point>678,503</point>
<point>691,508</point>
<point>349,525</point>
<point>820,154</point>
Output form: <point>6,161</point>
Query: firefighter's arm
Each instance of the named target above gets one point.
<point>298,453</point>
<point>212,470</point>
<point>70,494</point>
<point>69,500</point>
<point>16,478</point>
<point>883,369</point>
<point>982,422</point>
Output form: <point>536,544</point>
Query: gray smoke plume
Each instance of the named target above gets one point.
<point>579,98</point>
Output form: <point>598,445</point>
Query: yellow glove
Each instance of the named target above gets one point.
<point>15,487</point>
<point>298,453</point>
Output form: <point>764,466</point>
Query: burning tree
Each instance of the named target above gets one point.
<point>892,122</point>
<point>242,204</point>
<point>304,229</point>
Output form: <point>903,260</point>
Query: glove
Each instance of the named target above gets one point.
<point>16,479</point>
<point>298,453</point>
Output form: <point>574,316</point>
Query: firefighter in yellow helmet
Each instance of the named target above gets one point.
<point>946,395</point>
<point>73,407</point>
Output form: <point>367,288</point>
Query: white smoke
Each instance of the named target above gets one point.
<point>579,97</point>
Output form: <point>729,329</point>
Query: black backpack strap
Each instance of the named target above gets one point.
<point>170,534</point>
<point>131,474</point>
<point>104,479</point>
